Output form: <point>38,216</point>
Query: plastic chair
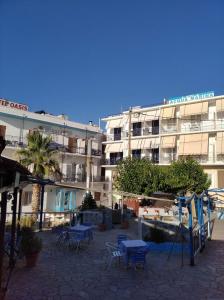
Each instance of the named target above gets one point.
<point>120,238</point>
<point>138,258</point>
<point>113,253</point>
<point>87,224</point>
<point>75,239</point>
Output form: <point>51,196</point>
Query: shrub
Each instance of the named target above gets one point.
<point>27,221</point>
<point>155,235</point>
<point>88,202</point>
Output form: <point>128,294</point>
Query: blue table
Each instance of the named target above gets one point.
<point>131,246</point>
<point>85,230</point>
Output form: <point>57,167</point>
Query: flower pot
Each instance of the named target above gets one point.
<point>31,259</point>
<point>102,227</point>
<point>125,225</point>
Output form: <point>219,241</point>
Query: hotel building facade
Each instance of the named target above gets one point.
<point>79,152</point>
<point>181,127</point>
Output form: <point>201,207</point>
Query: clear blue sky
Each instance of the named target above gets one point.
<point>90,58</point>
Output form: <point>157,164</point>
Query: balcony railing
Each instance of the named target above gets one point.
<point>116,136</point>
<point>150,130</point>
<point>15,141</point>
<point>169,129</point>
<point>111,161</point>
<point>153,159</point>
<point>168,159</point>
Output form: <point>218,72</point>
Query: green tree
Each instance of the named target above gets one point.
<point>186,175</point>
<point>140,176</point>
<point>136,176</point>
<point>88,202</point>
<point>39,157</point>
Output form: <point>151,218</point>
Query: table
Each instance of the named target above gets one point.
<point>86,230</point>
<point>130,246</point>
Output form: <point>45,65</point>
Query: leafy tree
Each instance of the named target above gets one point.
<point>88,202</point>
<point>136,176</point>
<point>140,176</point>
<point>39,158</point>
<point>186,175</point>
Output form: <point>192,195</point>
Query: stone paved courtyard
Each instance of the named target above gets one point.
<point>63,274</point>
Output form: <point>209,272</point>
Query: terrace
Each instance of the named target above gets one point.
<point>62,273</point>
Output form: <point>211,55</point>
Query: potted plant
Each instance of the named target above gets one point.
<point>124,224</point>
<point>102,227</point>
<point>31,245</point>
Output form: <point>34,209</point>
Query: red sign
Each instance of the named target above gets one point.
<point>14,105</point>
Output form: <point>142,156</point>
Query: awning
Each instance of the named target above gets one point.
<point>116,147</point>
<point>168,112</point>
<point>220,143</point>
<point>168,141</point>
<point>145,143</point>
<point>193,144</point>
<point>114,123</point>
<point>194,109</point>
<point>145,116</point>
<point>219,105</point>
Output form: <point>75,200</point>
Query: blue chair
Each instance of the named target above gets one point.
<point>75,239</point>
<point>87,224</point>
<point>120,238</point>
<point>138,258</point>
<point>113,253</point>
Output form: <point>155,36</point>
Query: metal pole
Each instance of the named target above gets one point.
<point>129,131</point>
<point>180,209</point>
<point>41,207</point>
<point>3,205</point>
<point>19,212</point>
<point>199,220</point>
<point>13,228</point>
<point>209,218</point>
<point>191,235</point>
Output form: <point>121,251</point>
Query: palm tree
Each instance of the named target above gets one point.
<point>39,158</point>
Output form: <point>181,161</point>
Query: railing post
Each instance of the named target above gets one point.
<point>199,222</point>
<point>140,227</point>
<point>19,211</point>
<point>190,225</point>
<point>209,218</point>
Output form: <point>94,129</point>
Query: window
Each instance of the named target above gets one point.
<point>115,157</point>
<point>136,153</point>
<point>155,156</point>
<point>155,127</point>
<point>26,198</point>
<point>117,134</point>
<point>137,129</point>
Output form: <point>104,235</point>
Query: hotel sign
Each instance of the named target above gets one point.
<point>14,105</point>
<point>199,96</point>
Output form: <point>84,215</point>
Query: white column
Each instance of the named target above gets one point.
<point>88,163</point>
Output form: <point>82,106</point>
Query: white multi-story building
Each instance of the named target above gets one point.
<point>79,152</point>
<point>183,126</point>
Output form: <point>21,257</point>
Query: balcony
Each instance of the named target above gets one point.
<point>201,126</point>
<point>15,141</point>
